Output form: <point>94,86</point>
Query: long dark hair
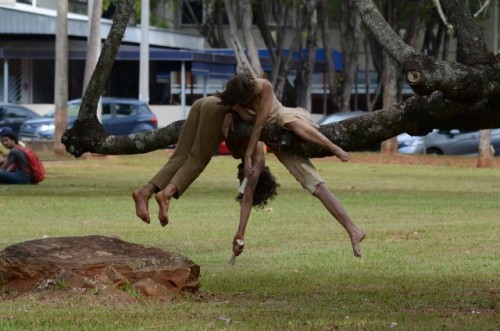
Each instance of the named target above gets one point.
<point>265,189</point>
<point>239,89</point>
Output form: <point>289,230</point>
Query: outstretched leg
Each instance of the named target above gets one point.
<point>337,210</point>
<point>141,198</point>
<point>308,132</point>
<point>163,200</point>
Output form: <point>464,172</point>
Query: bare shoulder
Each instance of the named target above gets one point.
<point>264,87</point>
<point>264,84</point>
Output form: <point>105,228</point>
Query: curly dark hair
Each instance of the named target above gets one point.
<point>11,136</point>
<point>238,90</point>
<point>265,189</point>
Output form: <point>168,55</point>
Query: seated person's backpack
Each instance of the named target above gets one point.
<point>37,169</point>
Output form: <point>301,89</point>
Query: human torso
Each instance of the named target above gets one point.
<point>248,112</point>
<point>18,158</point>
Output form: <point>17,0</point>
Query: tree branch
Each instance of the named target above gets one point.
<point>470,38</point>
<point>87,130</point>
<point>383,32</point>
<point>444,106</point>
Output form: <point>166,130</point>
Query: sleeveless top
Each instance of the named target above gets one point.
<point>278,114</point>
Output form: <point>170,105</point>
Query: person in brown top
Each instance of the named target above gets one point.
<point>254,100</point>
<point>262,107</point>
<point>199,138</point>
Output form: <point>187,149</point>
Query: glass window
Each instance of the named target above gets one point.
<point>106,111</point>
<point>16,112</point>
<point>123,110</point>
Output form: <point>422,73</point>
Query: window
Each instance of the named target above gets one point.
<point>106,111</point>
<point>123,110</point>
<point>190,8</point>
<point>16,112</point>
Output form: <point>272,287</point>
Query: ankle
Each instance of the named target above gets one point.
<point>170,191</point>
<point>148,190</point>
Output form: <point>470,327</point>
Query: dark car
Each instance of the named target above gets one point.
<point>119,117</point>
<point>13,115</point>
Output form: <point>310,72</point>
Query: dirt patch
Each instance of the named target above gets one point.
<point>434,160</point>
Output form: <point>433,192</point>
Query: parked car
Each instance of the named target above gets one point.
<point>403,138</point>
<point>120,116</point>
<point>409,144</point>
<point>452,142</point>
<point>337,117</point>
<point>13,115</point>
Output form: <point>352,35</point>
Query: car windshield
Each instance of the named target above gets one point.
<point>73,109</point>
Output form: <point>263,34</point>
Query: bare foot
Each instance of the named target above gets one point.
<point>163,203</point>
<point>141,205</point>
<point>343,156</point>
<point>356,239</point>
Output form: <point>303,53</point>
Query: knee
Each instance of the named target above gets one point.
<point>320,190</point>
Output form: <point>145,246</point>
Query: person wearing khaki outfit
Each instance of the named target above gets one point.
<point>253,99</point>
<point>199,138</point>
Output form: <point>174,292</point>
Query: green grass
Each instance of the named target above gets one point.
<point>430,260</point>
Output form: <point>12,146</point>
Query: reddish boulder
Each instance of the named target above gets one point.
<point>93,262</point>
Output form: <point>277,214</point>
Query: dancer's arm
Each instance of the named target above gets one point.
<point>247,200</point>
<point>263,110</point>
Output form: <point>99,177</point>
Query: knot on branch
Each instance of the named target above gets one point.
<point>413,77</point>
<point>83,136</point>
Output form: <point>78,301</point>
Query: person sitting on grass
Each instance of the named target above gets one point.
<point>15,167</point>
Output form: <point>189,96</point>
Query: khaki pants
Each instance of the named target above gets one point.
<point>198,141</point>
<point>301,168</point>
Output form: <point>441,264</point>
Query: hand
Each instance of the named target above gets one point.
<point>248,168</point>
<point>238,244</point>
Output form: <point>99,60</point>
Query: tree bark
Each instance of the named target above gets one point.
<point>61,76</point>
<point>350,30</point>
<point>243,64</point>
<point>304,73</point>
<point>486,152</point>
<point>331,74</point>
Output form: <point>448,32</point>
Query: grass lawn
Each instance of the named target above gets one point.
<point>431,259</point>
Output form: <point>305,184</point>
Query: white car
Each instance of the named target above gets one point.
<point>453,142</point>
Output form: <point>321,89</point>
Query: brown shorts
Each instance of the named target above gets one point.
<point>301,168</point>
<point>286,115</point>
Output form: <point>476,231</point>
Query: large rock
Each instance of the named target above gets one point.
<point>96,262</point>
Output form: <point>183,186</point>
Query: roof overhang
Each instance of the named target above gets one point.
<point>21,19</point>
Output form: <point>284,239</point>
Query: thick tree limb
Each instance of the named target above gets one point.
<point>470,39</point>
<point>383,32</point>
<point>477,78</point>
<point>453,95</point>
<point>87,130</point>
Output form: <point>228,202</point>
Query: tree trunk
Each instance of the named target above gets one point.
<point>252,51</point>
<point>331,75</point>
<point>304,74</point>
<point>486,153</point>
<point>93,42</point>
<point>350,27</point>
<point>144,53</point>
<point>61,77</point>
<point>389,146</point>
<point>243,64</point>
